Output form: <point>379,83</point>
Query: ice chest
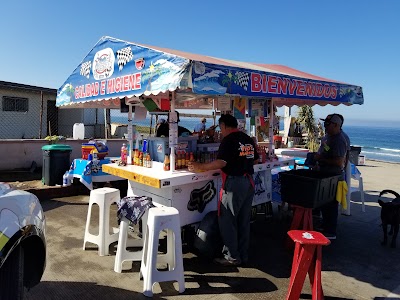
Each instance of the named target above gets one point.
<point>308,188</point>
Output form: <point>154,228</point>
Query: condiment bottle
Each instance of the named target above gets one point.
<point>187,159</point>
<point>166,163</point>
<point>179,160</point>
<point>148,160</point>
<point>124,154</point>
<point>136,157</point>
<point>140,158</point>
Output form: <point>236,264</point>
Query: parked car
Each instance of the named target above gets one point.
<point>22,242</point>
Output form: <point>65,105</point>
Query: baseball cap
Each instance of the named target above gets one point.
<point>203,119</point>
<point>333,118</point>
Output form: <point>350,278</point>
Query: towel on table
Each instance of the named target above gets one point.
<point>341,193</point>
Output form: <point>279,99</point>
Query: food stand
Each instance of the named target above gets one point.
<point>165,80</point>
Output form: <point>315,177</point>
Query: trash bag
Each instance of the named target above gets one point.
<point>208,240</point>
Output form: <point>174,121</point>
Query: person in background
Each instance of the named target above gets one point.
<point>201,126</point>
<point>162,129</point>
<point>331,158</point>
<point>236,156</point>
<point>347,140</point>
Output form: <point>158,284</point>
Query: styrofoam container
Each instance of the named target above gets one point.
<point>78,132</point>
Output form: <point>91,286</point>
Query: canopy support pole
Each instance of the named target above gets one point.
<point>271,130</point>
<point>130,133</point>
<point>107,129</point>
<point>172,146</point>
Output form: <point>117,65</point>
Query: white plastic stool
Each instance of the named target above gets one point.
<point>122,253</point>
<point>158,219</point>
<point>103,197</point>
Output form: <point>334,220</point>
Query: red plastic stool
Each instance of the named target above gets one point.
<point>302,219</point>
<point>307,258</point>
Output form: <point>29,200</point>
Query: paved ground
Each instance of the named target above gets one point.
<point>355,266</point>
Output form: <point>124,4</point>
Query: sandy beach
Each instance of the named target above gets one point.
<point>378,175</point>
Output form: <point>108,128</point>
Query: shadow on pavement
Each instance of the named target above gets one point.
<point>80,290</point>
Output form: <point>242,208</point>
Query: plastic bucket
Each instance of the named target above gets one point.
<point>78,132</point>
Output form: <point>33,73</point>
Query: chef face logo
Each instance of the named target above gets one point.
<point>139,63</point>
<point>103,64</point>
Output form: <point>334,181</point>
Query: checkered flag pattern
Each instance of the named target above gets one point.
<point>242,79</point>
<point>124,56</point>
<point>85,69</point>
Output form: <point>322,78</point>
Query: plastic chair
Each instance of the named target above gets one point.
<point>162,218</point>
<point>123,254</point>
<point>352,173</point>
<point>103,197</point>
<point>356,175</point>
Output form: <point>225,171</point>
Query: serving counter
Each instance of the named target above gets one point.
<point>193,194</point>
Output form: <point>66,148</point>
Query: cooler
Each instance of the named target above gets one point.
<point>97,147</point>
<point>308,188</point>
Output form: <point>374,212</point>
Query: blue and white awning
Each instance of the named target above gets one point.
<point>115,69</point>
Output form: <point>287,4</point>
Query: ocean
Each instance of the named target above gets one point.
<point>376,142</point>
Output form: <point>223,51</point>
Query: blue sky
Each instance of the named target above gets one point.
<point>357,42</point>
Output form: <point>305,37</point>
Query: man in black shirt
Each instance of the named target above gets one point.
<point>236,156</point>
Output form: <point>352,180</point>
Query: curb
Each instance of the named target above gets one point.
<point>59,191</point>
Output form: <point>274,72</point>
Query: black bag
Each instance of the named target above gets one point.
<point>208,241</point>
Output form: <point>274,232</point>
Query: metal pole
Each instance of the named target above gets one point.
<point>130,134</point>
<point>271,130</point>
<point>41,115</point>
<point>172,146</point>
<point>107,132</point>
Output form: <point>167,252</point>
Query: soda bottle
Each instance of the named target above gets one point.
<point>124,154</point>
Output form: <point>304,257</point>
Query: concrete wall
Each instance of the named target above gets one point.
<point>19,154</point>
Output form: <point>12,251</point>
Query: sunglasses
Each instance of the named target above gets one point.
<point>327,123</point>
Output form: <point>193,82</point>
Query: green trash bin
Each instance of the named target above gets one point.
<point>56,161</point>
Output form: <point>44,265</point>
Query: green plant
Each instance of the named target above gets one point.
<point>54,139</point>
<point>305,116</point>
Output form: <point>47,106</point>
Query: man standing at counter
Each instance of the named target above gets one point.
<point>236,156</point>
<point>331,158</point>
